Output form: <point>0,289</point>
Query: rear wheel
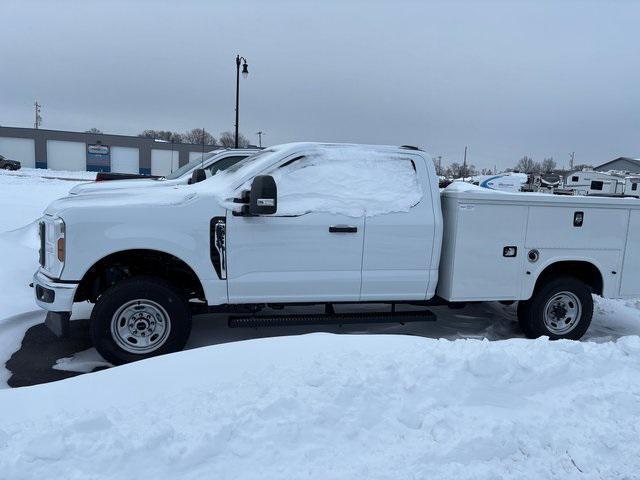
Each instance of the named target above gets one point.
<point>561,308</point>
<point>138,318</point>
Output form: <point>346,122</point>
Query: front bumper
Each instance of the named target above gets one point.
<point>53,296</point>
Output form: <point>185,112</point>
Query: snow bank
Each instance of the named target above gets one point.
<point>22,200</point>
<point>51,174</point>
<point>324,406</point>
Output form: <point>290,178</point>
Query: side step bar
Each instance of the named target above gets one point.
<point>259,321</point>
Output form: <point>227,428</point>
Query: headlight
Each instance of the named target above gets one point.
<point>52,245</point>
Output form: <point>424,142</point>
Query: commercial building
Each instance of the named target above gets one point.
<point>61,150</point>
<point>623,164</point>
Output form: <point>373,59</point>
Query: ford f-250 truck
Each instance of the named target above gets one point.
<point>311,223</point>
<point>211,162</point>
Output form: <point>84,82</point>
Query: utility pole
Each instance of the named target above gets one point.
<point>202,157</point>
<point>464,163</point>
<point>260,133</point>
<point>38,118</point>
<point>572,156</point>
<point>245,72</point>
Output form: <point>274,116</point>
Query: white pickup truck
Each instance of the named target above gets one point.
<point>312,223</point>
<point>210,162</point>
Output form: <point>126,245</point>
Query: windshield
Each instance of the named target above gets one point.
<point>226,180</point>
<point>248,160</point>
<point>190,166</point>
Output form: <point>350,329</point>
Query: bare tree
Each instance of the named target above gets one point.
<point>166,135</point>
<point>93,130</point>
<point>199,136</point>
<point>456,170</point>
<point>527,165</point>
<point>582,166</point>
<point>228,139</point>
<point>548,165</point>
<point>452,170</point>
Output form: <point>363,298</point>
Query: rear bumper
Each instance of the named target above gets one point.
<point>53,296</point>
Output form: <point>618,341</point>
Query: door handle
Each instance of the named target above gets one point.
<point>342,229</point>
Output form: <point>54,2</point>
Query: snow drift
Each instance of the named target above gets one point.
<point>324,406</point>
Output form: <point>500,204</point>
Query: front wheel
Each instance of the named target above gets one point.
<point>138,318</point>
<point>561,308</point>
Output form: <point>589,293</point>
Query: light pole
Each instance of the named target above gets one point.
<point>260,133</point>
<point>245,73</point>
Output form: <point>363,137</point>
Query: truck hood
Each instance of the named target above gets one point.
<point>111,185</point>
<point>142,197</point>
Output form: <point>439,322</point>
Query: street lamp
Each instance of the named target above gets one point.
<point>245,73</point>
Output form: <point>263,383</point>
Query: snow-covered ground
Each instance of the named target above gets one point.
<point>23,196</point>
<point>459,398</point>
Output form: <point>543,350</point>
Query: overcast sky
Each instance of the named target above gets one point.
<point>506,78</point>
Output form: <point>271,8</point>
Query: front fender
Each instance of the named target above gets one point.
<point>179,231</point>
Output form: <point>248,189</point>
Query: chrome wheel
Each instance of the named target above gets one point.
<point>562,313</point>
<point>140,326</point>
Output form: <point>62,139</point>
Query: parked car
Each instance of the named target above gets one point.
<point>323,224</point>
<point>7,164</point>
<point>211,162</point>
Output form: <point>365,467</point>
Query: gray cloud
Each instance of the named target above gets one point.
<point>540,78</point>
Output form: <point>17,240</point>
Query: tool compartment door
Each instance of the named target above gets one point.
<point>475,265</point>
<point>630,283</point>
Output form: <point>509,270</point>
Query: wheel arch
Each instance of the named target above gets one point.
<point>116,266</point>
<point>582,270</point>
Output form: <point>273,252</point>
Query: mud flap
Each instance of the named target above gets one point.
<point>58,323</point>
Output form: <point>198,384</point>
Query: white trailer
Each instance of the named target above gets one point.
<point>590,182</point>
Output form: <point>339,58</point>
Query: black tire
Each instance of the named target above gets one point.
<point>531,313</point>
<point>154,291</point>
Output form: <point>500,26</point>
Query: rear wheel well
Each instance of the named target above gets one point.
<point>583,271</point>
<point>131,263</point>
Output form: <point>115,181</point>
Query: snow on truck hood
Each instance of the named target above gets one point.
<point>132,197</point>
<point>99,187</point>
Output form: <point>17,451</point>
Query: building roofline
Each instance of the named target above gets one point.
<point>628,159</point>
<point>71,132</point>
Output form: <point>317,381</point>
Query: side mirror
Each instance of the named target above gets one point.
<point>263,198</point>
<point>197,175</point>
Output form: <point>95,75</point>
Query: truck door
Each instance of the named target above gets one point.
<point>302,257</point>
<point>401,249</point>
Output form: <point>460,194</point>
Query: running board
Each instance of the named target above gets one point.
<point>260,321</point>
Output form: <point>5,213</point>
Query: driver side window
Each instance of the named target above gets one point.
<point>346,181</point>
